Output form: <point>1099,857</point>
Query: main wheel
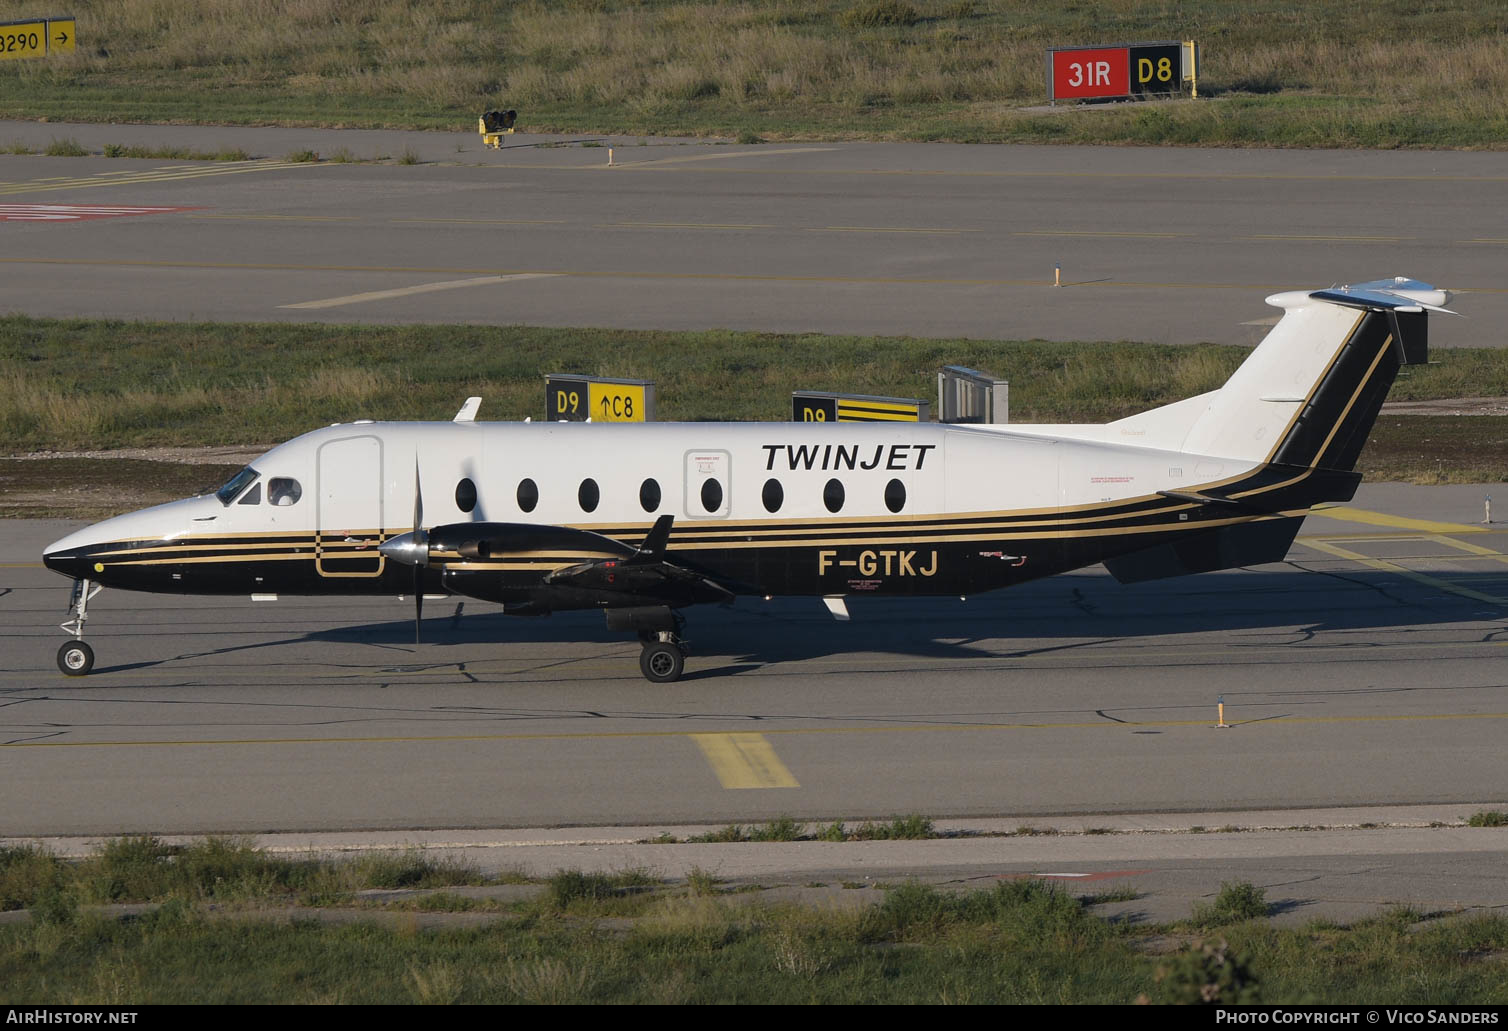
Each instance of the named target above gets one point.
<point>661,663</point>
<point>75,658</point>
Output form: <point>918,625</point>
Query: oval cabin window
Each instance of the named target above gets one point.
<point>773,495</point>
<point>466,494</point>
<point>832,495</point>
<point>712,495</point>
<point>588,495</point>
<point>528,495</point>
<point>649,495</point>
<point>895,495</point>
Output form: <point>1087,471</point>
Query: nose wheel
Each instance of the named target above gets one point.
<point>75,658</point>
<point>662,662</point>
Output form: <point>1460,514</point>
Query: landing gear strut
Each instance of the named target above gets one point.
<point>76,658</point>
<point>663,658</point>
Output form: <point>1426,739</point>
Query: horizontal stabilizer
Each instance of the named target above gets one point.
<point>1246,544</point>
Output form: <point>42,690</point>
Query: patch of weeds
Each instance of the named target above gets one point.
<point>902,828</point>
<point>54,906</point>
<point>782,829</point>
<point>1099,830</point>
<point>1028,831</point>
<point>593,143</point>
<point>1236,902</point>
<point>25,872</point>
<point>408,157</point>
<point>1113,893</point>
<point>1231,828</point>
<point>880,14</point>
<point>570,886</point>
<point>18,147</point>
<point>343,156</point>
<point>1488,818</point>
<point>723,835</point>
<point>409,869</point>
<point>445,902</point>
<point>1210,975</point>
<point>701,882</point>
<point>663,839</point>
<point>749,136</point>
<point>301,156</point>
<point>1198,829</point>
<point>853,885</point>
<point>65,148</point>
<point>833,832</point>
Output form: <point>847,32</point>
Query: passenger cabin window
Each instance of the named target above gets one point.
<point>832,495</point>
<point>528,495</point>
<point>589,495</point>
<point>712,495</point>
<point>895,495</point>
<point>236,484</point>
<point>253,496</point>
<point>773,495</point>
<point>649,495</point>
<point>283,491</point>
<point>466,494</point>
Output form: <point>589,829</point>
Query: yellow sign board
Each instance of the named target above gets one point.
<point>60,33</point>
<point>23,39</point>
<point>616,402</point>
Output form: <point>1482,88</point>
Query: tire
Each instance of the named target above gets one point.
<point>75,658</point>
<point>661,663</point>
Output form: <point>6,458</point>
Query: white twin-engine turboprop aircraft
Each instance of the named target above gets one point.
<point>641,520</point>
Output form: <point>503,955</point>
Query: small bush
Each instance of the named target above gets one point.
<point>1237,901</point>
<point>301,156</point>
<point>568,886</point>
<point>65,148</point>
<point>722,836</point>
<point>833,832</point>
<point>1488,818</point>
<point>701,882</point>
<point>408,157</point>
<point>783,829</point>
<point>750,136</point>
<point>1209,975</point>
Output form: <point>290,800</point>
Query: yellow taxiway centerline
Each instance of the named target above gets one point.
<point>910,729</point>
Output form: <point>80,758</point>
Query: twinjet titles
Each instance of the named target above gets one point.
<point>896,457</point>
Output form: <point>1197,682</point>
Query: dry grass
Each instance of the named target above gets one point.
<point>1331,72</point>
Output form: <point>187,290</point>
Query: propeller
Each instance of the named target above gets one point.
<point>412,549</point>
<point>421,550</point>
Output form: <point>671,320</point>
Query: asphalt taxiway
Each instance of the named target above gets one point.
<point>1164,245</point>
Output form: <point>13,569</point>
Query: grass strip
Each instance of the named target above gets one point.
<point>1330,73</point>
<point>222,931</point>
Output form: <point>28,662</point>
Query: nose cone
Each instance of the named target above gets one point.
<point>411,549</point>
<point>69,561</point>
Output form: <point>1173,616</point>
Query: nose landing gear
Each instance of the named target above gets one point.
<point>76,658</point>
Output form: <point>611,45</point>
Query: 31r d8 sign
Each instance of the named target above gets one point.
<point>1076,73</point>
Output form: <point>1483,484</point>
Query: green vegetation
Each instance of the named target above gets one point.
<point>786,829</point>
<point>1237,901</point>
<point>217,933</point>
<point>1488,818</point>
<point>189,385</point>
<point>1392,73</point>
<point>121,150</point>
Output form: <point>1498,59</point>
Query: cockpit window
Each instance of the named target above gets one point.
<point>236,484</point>
<point>283,490</point>
<point>253,496</point>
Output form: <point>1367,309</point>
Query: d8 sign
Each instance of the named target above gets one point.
<point>1120,71</point>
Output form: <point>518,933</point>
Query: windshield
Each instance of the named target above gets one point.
<point>236,484</point>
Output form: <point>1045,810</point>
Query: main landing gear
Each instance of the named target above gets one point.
<point>76,658</point>
<point>662,659</point>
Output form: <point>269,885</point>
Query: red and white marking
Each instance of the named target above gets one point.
<point>74,212</point>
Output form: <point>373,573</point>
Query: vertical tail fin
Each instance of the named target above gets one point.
<point>1309,393</point>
